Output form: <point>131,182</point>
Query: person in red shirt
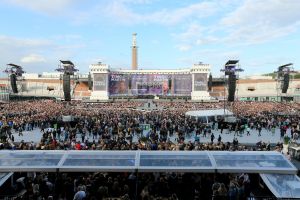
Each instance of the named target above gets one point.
<point>77,146</point>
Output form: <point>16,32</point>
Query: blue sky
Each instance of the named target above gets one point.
<point>172,34</point>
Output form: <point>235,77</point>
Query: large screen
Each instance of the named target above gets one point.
<point>182,84</point>
<point>155,84</point>
<point>99,82</point>
<point>118,84</point>
<point>200,82</point>
<point>150,84</point>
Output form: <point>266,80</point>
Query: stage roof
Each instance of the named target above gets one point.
<point>232,62</point>
<point>146,161</point>
<point>66,62</point>
<point>14,65</point>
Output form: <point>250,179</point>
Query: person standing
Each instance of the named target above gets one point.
<point>248,130</point>
<point>20,131</point>
<point>219,139</point>
<point>273,130</point>
<point>212,137</point>
<point>259,129</point>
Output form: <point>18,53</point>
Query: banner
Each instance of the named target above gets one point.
<point>200,82</point>
<point>99,82</point>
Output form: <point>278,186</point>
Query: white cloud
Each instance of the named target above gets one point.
<point>21,42</point>
<point>257,21</point>
<point>37,55</point>
<point>184,47</point>
<point>138,1</point>
<point>195,35</point>
<point>195,11</point>
<point>33,58</point>
<point>249,22</point>
<point>122,12</point>
<point>51,7</point>
<point>193,31</point>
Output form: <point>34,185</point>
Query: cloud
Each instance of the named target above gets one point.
<point>51,7</point>
<point>184,47</point>
<point>257,21</point>
<point>38,55</point>
<point>248,22</point>
<point>27,42</point>
<point>195,35</point>
<point>121,12</point>
<point>33,58</point>
<point>138,1</point>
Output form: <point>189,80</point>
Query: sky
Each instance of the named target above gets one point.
<point>171,34</point>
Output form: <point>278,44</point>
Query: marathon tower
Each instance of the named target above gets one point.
<point>134,64</point>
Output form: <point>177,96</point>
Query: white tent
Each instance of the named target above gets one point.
<point>207,116</point>
<point>207,113</point>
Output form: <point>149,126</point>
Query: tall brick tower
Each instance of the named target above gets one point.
<point>134,63</point>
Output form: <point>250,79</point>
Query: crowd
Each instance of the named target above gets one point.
<point>116,126</point>
<point>126,186</point>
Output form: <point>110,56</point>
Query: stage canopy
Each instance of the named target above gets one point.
<point>146,161</point>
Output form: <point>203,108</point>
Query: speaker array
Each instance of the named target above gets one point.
<point>90,83</point>
<point>170,83</point>
<point>209,84</point>
<point>231,87</point>
<point>67,87</point>
<point>286,80</point>
<point>13,83</point>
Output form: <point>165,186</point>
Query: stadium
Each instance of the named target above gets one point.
<point>149,134</point>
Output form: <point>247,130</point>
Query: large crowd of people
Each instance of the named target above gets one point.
<point>144,186</point>
<point>119,126</point>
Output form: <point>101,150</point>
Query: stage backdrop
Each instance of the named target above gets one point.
<point>149,84</point>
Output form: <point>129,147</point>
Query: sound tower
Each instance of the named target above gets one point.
<point>209,83</point>
<point>13,83</point>
<point>129,83</point>
<point>286,80</point>
<point>67,87</point>
<point>170,83</point>
<point>231,87</point>
<point>90,83</point>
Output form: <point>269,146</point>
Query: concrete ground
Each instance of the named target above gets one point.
<point>266,136</point>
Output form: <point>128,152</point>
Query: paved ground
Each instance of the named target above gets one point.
<point>266,136</point>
